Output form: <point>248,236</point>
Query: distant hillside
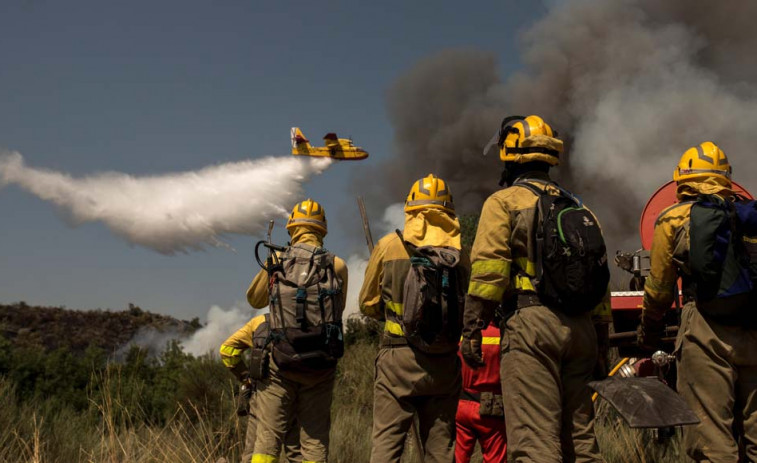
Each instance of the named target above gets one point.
<point>54,327</point>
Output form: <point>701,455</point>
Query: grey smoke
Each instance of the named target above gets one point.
<point>220,324</point>
<point>151,341</point>
<point>629,84</point>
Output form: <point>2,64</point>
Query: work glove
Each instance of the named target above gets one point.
<point>649,334</point>
<point>470,348</point>
<point>243,399</point>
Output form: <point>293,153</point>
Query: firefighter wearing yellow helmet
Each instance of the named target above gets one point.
<point>295,390</point>
<point>548,354</point>
<point>251,336</point>
<point>430,193</point>
<point>715,350</point>
<point>308,214</point>
<point>525,144</point>
<point>417,368</point>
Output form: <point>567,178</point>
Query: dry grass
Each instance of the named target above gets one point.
<point>113,430</point>
<point>113,435</point>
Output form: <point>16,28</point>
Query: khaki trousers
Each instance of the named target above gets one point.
<point>717,376</point>
<point>291,441</point>
<point>409,382</point>
<point>283,397</point>
<point>547,360</point>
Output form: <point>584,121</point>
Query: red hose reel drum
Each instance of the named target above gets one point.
<point>663,198</point>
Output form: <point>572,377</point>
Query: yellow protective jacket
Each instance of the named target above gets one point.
<point>381,296</point>
<point>233,348</point>
<point>504,251</point>
<point>669,255</point>
<point>257,293</point>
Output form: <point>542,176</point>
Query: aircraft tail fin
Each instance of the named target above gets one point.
<point>299,142</point>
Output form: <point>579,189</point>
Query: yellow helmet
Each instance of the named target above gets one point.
<point>702,161</point>
<point>310,214</point>
<point>430,192</point>
<point>527,139</point>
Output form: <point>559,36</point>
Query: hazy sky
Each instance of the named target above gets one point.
<point>151,87</point>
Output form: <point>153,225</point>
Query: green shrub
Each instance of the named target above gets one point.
<point>177,407</point>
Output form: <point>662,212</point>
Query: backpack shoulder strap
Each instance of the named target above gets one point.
<point>534,189</point>
<point>412,249</point>
<point>542,192</point>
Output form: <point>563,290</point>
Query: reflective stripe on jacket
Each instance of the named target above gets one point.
<point>382,293</point>
<point>233,348</point>
<point>504,251</point>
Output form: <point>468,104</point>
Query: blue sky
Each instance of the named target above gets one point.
<point>146,87</point>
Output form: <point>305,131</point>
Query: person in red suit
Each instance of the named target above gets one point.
<point>480,415</point>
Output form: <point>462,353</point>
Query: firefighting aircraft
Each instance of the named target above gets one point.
<point>341,149</point>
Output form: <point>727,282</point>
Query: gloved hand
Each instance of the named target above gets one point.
<point>649,334</point>
<point>470,348</point>
<point>243,399</point>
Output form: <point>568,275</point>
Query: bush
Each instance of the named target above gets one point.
<point>177,407</point>
<point>359,328</point>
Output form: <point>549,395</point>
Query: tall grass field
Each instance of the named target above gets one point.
<point>178,408</point>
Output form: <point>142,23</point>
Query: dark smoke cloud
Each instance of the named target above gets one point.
<point>443,111</point>
<point>630,84</point>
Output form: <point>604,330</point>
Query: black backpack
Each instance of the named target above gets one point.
<point>433,298</point>
<point>723,257</point>
<point>571,257</point>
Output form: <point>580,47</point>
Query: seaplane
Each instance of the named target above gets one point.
<point>341,149</point>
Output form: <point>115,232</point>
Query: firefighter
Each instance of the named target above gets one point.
<point>291,393</point>
<point>411,377</point>
<point>548,356</point>
<point>480,413</point>
<point>232,351</point>
<point>715,357</point>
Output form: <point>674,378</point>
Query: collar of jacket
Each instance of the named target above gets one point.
<point>534,174</point>
<point>710,186</point>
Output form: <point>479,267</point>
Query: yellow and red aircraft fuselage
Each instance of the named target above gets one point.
<point>341,149</point>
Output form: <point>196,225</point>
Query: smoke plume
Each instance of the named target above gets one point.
<point>176,212</point>
<point>392,219</point>
<point>220,325</point>
<point>628,84</point>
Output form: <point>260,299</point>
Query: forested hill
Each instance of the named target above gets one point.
<point>56,327</point>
